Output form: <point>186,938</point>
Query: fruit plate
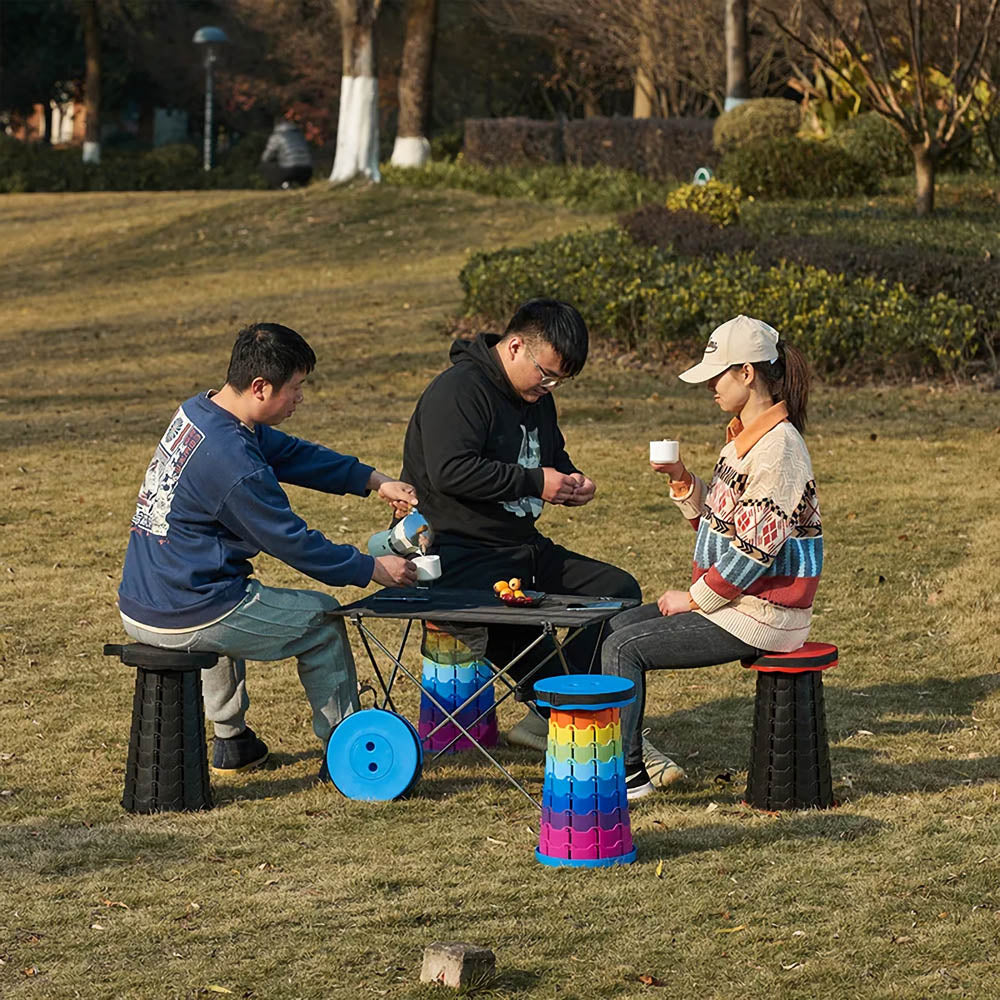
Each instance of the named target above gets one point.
<point>531,599</point>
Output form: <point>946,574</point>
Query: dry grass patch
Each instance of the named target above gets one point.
<point>116,307</point>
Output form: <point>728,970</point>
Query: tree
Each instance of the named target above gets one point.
<point>411,148</point>
<point>92,81</point>
<point>922,64</point>
<point>357,123</point>
<point>737,53</point>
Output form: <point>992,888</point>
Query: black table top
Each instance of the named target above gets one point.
<point>481,607</point>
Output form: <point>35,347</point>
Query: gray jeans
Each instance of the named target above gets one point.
<point>271,624</point>
<point>642,639</point>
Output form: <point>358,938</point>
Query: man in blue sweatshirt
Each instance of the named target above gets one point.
<point>210,502</point>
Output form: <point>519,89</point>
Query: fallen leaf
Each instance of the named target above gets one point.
<point>659,869</point>
<point>794,965</point>
<point>650,981</point>
<point>217,989</point>
<point>711,807</point>
<point>864,732</point>
<point>730,930</point>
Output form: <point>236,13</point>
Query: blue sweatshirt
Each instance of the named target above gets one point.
<point>211,501</point>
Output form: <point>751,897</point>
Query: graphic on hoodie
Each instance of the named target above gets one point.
<point>156,497</point>
<point>529,458</point>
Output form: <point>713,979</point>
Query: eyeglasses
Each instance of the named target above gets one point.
<point>548,380</point>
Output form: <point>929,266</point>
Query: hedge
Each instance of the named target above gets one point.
<point>596,188</point>
<point>37,167</point>
<point>923,272</point>
<point>760,118</point>
<point>658,148</point>
<point>790,167</point>
<point>650,300</point>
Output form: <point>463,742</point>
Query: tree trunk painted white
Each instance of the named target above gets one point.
<point>357,123</point>
<point>357,130</point>
<point>92,82</point>
<point>410,151</point>
<point>411,148</point>
<point>737,53</point>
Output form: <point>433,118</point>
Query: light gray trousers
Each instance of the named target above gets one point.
<point>271,624</point>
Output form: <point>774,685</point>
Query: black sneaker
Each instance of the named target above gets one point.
<point>238,753</point>
<point>638,785</point>
<point>324,773</point>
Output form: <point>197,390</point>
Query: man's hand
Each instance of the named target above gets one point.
<point>674,602</point>
<point>584,492</point>
<point>401,496</point>
<point>558,487</point>
<point>394,571</point>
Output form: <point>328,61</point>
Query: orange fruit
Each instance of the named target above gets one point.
<point>514,583</point>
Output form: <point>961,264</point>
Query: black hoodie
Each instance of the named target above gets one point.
<point>474,450</point>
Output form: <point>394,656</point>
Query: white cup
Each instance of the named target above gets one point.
<point>663,452</point>
<point>428,567</point>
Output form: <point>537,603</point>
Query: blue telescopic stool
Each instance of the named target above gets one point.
<point>374,755</point>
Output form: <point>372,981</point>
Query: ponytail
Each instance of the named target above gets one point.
<point>787,380</point>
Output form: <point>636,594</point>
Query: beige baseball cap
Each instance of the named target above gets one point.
<point>736,342</point>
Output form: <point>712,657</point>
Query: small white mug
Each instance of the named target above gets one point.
<point>428,567</point>
<point>663,452</point>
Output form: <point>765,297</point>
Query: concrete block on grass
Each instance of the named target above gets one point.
<point>457,964</point>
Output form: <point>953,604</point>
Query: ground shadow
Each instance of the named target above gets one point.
<point>853,715</point>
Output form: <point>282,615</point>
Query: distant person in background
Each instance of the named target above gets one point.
<point>286,161</point>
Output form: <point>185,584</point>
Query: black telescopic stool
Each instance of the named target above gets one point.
<point>789,751</point>
<point>167,769</point>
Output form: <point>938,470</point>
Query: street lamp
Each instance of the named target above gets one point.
<point>210,38</point>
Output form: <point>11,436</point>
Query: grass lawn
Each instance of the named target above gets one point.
<point>115,307</point>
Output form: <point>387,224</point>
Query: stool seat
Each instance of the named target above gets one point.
<point>789,751</point>
<point>139,654</point>
<point>167,767</point>
<point>809,656</point>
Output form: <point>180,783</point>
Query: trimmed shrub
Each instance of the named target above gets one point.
<point>510,142</point>
<point>596,188</point>
<point>874,140</point>
<point>661,148</point>
<point>716,199</point>
<point>761,118</point>
<point>796,168</point>
<point>654,301</point>
<point>689,234</point>
<point>37,167</point>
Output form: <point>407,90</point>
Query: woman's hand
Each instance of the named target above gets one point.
<point>674,602</point>
<point>675,470</point>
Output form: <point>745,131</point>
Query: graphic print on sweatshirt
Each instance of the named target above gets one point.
<point>156,496</point>
<point>530,457</point>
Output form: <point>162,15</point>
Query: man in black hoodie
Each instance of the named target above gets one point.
<point>484,452</point>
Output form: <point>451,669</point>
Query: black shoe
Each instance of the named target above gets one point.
<point>638,785</point>
<point>238,753</point>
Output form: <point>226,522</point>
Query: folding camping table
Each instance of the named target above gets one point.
<point>447,606</point>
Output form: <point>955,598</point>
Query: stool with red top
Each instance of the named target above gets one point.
<point>789,752</point>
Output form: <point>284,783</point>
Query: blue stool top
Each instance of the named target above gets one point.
<point>584,691</point>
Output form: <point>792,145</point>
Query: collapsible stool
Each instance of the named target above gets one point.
<point>585,819</point>
<point>167,768</point>
<point>454,682</point>
<point>789,750</point>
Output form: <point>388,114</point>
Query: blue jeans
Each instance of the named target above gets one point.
<point>642,639</point>
<point>271,624</point>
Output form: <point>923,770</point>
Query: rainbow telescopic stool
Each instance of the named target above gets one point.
<point>461,684</point>
<point>585,821</point>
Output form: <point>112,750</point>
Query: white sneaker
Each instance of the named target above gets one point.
<point>531,732</point>
<point>662,770</point>
<point>638,785</point>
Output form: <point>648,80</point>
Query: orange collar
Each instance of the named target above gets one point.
<point>747,437</point>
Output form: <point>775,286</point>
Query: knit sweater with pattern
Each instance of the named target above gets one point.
<point>759,546</point>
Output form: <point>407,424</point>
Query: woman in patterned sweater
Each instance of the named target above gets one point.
<point>759,545</point>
